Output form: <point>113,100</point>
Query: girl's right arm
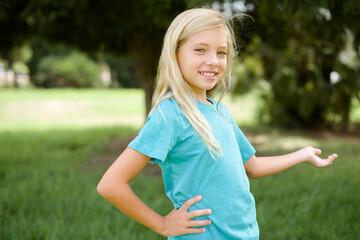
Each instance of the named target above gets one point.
<point>114,187</point>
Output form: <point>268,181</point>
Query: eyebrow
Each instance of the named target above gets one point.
<point>205,44</point>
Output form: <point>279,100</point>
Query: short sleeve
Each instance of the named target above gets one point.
<point>159,134</point>
<point>246,149</point>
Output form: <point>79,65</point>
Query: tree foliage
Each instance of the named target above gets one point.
<point>134,28</point>
<point>301,45</point>
<point>14,28</point>
<point>119,27</point>
<point>75,70</point>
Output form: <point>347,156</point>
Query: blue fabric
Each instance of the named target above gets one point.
<point>189,170</point>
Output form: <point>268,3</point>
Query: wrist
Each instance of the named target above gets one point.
<point>160,227</point>
<point>304,154</point>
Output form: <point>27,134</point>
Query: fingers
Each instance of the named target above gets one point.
<point>199,223</point>
<point>318,160</point>
<point>195,213</point>
<point>326,162</point>
<point>331,158</point>
<point>190,202</point>
<point>179,222</point>
<point>195,230</point>
<point>317,151</point>
<point>198,213</point>
<point>193,227</point>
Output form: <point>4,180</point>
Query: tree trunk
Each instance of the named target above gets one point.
<point>345,104</point>
<point>105,72</point>
<point>15,77</point>
<point>145,56</point>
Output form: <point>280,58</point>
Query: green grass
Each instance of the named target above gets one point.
<point>68,108</point>
<point>49,187</point>
<point>50,138</point>
<point>306,202</point>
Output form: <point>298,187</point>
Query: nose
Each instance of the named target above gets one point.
<point>212,59</point>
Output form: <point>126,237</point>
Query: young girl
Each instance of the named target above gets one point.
<point>204,157</point>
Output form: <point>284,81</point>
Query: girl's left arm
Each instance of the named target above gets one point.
<point>257,167</point>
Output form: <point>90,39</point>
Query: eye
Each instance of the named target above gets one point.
<point>200,50</point>
<point>222,53</point>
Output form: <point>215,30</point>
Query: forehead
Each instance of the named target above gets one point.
<point>210,37</point>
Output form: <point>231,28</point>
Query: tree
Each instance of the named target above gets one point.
<point>119,27</point>
<point>14,33</point>
<point>300,46</point>
<point>134,28</point>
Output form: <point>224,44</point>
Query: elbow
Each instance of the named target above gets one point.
<point>253,174</point>
<point>103,189</point>
<point>253,168</point>
<point>110,190</point>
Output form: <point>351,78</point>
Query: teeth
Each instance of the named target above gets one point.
<point>208,74</point>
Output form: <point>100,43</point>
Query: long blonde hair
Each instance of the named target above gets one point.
<point>169,80</point>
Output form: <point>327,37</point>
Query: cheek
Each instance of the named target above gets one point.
<point>223,63</point>
<point>223,66</point>
<point>188,66</point>
<point>181,64</point>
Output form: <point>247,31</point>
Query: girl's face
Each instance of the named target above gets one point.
<point>202,60</point>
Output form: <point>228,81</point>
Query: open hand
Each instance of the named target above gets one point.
<point>178,222</point>
<point>313,158</point>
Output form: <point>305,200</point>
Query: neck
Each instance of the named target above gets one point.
<point>201,95</point>
<point>204,100</point>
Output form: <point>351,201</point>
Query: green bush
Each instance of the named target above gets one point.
<point>73,70</point>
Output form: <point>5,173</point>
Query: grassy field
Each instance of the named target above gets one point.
<point>56,144</point>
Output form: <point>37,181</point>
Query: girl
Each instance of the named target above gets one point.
<point>204,157</point>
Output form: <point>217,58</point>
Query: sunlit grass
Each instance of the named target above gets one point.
<point>70,108</point>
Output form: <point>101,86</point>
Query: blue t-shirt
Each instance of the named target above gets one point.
<point>189,170</point>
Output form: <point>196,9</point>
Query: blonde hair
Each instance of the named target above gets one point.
<point>169,80</point>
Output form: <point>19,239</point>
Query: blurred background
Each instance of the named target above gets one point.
<point>76,81</point>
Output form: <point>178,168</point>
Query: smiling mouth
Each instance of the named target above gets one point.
<point>208,74</point>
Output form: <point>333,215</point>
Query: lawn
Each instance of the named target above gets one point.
<point>56,144</point>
